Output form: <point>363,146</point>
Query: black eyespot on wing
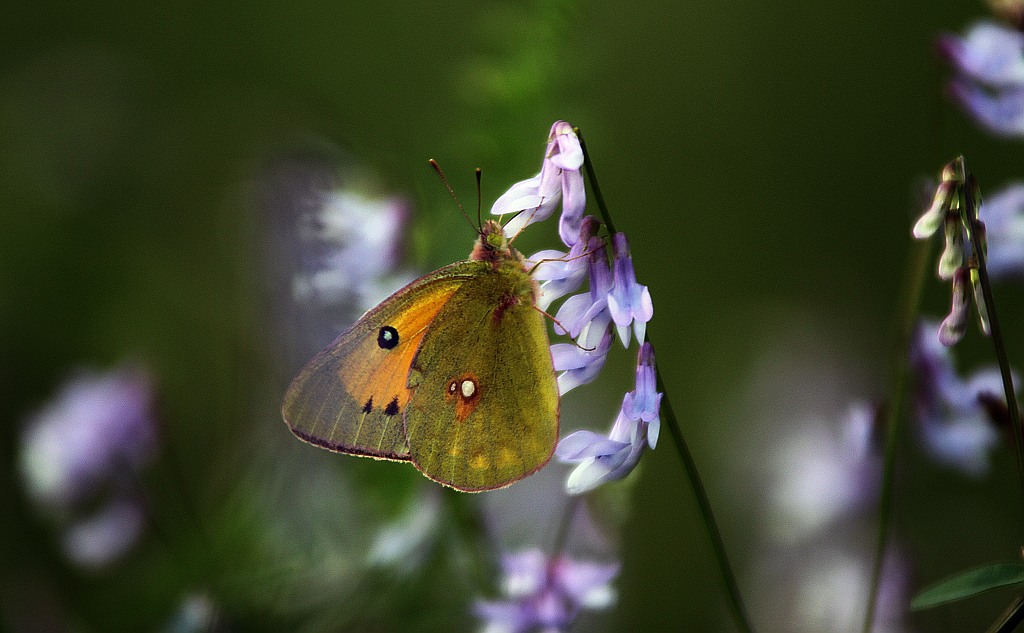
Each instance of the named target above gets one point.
<point>392,408</point>
<point>387,337</point>
<point>368,406</point>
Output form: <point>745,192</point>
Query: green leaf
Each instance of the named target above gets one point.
<point>969,583</point>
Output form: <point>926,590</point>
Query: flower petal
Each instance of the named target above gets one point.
<point>1001,113</point>
<point>991,53</point>
<point>955,323</point>
<point>583,444</point>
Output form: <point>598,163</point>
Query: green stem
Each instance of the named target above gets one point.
<point>592,177</point>
<point>974,234</point>
<point>899,369</point>
<point>732,590</point>
<point>1010,618</point>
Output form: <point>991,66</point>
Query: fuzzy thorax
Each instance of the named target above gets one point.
<point>493,247</point>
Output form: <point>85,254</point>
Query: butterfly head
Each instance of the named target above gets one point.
<point>492,246</point>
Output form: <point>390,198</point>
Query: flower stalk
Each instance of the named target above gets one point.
<point>899,369</point>
<point>733,595</point>
<point>975,231</point>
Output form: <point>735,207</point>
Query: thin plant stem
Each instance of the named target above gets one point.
<point>592,177</point>
<point>564,525</point>
<point>975,236</point>
<point>1010,618</point>
<point>899,360</point>
<point>732,590</point>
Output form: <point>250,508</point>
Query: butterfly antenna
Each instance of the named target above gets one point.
<point>479,196</point>
<point>533,212</point>
<point>448,186</point>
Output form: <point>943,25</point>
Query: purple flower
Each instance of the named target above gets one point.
<point>1001,112</point>
<point>563,273</point>
<point>95,435</point>
<point>1003,214</point>
<point>360,238</point>
<point>628,301</point>
<point>602,459</point>
<point>954,423</point>
<point>581,362</point>
<point>822,474</point>
<point>546,593</point>
<point>644,403</point>
<point>106,535</point>
<point>990,83</point>
<point>97,427</point>
<point>991,53</point>
<point>580,310</point>
<point>559,180</point>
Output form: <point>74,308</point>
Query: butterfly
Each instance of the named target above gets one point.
<point>452,373</point>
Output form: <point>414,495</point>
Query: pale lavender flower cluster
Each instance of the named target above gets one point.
<point>613,302</point>
<point>612,457</point>
<point>955,424</point>
<point>989,84</point>
<point>546,593</point>
<point>92,440</point>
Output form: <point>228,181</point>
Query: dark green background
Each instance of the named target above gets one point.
<point>764,159</point>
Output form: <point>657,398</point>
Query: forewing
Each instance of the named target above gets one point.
<point>352,395</point>
<point>505,426</point>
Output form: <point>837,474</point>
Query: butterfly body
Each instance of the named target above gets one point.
<point>453,373</point>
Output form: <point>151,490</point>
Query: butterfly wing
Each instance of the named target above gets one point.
<point>485,409</point>
<point>351,396</point>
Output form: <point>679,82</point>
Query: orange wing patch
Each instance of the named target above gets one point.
<point>465,392</point>
<point>376,374</point>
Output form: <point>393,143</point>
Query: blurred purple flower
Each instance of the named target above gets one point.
<point>546,593</point>
<point>559,180</point>
<point>991,52</point>
<point>609,458</point>
<point>989,61</point>
<point>1003,214</point>
<point>101,538</point>
<point>360,239</point>
<point>954,423</point>
<point>96,435</point>
<point>823,475</point>
<point>98,427</point>
<point>1000,112</point>
<point>628,301</point>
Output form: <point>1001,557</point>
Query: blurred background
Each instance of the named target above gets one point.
<point>767,163</point>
